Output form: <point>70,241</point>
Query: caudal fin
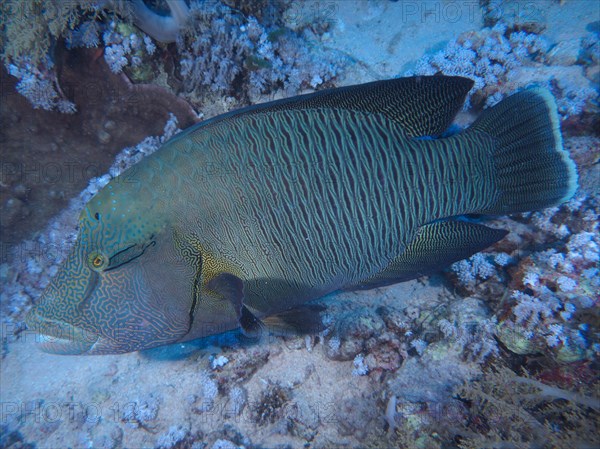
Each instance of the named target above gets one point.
<point>533,171</point>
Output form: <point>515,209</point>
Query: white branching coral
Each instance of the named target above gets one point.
<point>360,367</point>
<point>419,345</point>
<point>499,59</point>
<point>531,311</point>
<point>226,49</point>
<point>477,267</point>
<point>125,46</point>
<point>40,86</point>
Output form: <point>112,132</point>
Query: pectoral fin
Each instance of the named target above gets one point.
<point>435,246</point>
<point>304,319</point>
<point>231,288</point>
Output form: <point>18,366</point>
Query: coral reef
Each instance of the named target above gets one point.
<point>48,158</point>
<point>31,33</point>
<point>552,273</point>
<point>124,46</point>
<point>502,58</point>
<point>220,50</point>
<point>519,411</point>
<point>269,407</point>
<point>40,87</point>
<point>175,437</point>
<point>251,58</point>
<point>141,412</point>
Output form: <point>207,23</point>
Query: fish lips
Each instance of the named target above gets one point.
<point>58,337</point>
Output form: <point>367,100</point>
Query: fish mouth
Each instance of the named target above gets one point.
<point>58,337</point>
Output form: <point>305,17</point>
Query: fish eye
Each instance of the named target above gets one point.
<point>97,261</point>
<point>97,216</point>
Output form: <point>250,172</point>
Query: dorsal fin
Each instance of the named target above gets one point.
<point>422,105</point>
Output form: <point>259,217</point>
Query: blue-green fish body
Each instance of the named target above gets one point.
<point>248,215</point>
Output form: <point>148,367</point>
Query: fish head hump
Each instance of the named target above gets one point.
<point>122,288</point>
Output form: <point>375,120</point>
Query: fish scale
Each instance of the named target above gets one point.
<point>288,212</point>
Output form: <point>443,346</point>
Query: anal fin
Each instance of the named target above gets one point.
<point>304,319</point>
<point>434,247</point>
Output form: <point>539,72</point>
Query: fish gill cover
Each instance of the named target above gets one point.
<point>505,341</point>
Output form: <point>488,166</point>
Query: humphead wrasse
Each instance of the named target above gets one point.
<point>242,219</point>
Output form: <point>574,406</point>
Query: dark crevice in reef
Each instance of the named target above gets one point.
<point>47,158</point>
